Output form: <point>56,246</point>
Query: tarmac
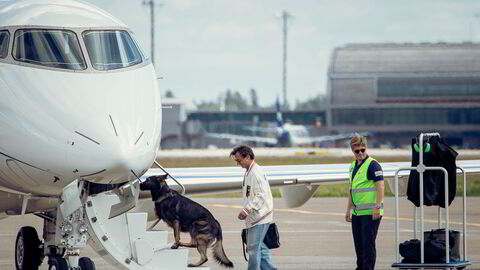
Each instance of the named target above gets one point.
<point>314,236</point>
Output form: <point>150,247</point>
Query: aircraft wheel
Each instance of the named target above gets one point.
<point>57,263</point>
<point>86,263</point>
<point>28,253</point>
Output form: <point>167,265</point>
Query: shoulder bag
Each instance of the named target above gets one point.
<point>271,240</point>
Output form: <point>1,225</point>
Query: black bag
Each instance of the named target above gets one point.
<point>454,241</point>
<point>434,247</point>
<point>271,240</point>
<point>439,155</point>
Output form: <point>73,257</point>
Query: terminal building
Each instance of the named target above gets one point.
<point>390,91</point>
<point>395,91</point>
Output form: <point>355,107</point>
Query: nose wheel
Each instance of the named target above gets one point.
<point>57,263</point>
<point>28,250</point>
<point>60,263</point>
<point>86,263</point>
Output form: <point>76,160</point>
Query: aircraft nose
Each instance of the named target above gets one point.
<point>126,162</point>
<point>117,154</point>
<point>117,128</point>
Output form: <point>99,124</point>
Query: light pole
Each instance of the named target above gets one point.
<point>470,26</point>
<point>285,16</point>
<point>151,4</point>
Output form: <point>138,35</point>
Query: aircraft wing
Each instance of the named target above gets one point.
<point>12,202</point>
<point>261,129</point>
<point>330,138</point>
<point>298,182</point>
<point>243,138</point>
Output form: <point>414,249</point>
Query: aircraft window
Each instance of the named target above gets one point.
<point>4,38</point>
<point>51,48</point>
<point>111,49</point>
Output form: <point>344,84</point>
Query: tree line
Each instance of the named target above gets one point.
<point>233,101</point>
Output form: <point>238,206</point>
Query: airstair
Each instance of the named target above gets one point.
<point>124,241</point>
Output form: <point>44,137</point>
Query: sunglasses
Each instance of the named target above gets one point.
<point>359,150</point>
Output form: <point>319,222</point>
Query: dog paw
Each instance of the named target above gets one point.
<point>175,246</point>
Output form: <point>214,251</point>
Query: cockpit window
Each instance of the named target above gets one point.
<point>51,48</point>
<point>111,49</point>
<point>4,38</point>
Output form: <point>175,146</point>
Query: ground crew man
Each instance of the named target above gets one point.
<point>365,202</point>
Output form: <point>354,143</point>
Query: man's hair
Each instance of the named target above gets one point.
<point>244,151</point>
<point>358,140</point>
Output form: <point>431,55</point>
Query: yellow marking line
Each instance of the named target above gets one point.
<point>338,214</point>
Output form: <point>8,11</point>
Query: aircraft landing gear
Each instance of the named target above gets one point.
<point>28,249</point>
<point>86,263</point>
<point>60,263</point>
<point>57,263</point>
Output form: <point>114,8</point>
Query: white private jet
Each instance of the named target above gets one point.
<point>80,123</point>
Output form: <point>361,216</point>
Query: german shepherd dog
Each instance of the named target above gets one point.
<point>185,215</point>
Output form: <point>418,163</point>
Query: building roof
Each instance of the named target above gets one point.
<point>406,57</point>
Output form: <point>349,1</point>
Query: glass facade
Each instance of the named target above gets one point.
<point>406,116</point>
<point>236,121</point>
<point>428,87</point>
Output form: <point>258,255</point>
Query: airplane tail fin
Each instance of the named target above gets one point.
<point>279,114</point>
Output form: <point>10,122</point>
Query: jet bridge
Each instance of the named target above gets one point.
<point>124,240</point>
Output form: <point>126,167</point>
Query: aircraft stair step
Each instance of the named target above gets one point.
<point>124,241</point>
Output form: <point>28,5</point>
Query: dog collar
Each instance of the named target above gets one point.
<point>163,198</point>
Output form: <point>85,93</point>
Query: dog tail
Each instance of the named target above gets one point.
<point>218,252</point>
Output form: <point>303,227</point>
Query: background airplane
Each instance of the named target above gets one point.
<point>80,124</point>
<point>280,134</point>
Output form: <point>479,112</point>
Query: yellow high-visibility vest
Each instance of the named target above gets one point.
<point>363,190</point>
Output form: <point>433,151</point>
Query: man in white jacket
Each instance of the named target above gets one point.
<point>257,209</point>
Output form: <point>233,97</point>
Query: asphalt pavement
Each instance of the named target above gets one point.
<point>314,236</point>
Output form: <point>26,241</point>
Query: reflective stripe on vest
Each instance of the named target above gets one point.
<point>366,206</point>
<point>364,191</point>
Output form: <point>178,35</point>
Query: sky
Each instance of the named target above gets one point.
<point>203,47</point>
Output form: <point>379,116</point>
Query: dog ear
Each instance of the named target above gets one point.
<point>163,187</point>
<point>162,177</point>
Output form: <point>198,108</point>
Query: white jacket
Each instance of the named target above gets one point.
<point>257,197</point>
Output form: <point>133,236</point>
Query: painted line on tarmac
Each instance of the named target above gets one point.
<point>335,231</point>
<point>340,214</point>
<point>326,231</point>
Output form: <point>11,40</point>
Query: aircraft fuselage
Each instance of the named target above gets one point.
<point>67,119</point>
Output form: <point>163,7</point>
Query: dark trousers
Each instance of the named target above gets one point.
<point>364,230</point>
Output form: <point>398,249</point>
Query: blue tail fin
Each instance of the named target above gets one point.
<point>279,114</point>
